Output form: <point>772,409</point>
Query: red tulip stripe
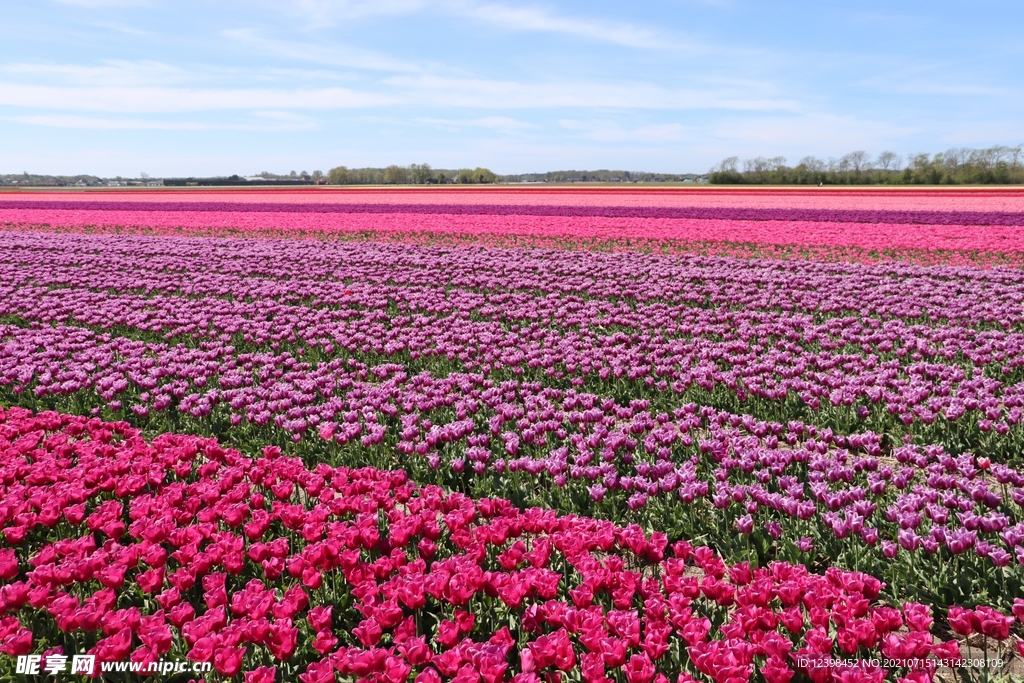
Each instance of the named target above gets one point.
<point>924,226</point>
<point>134,549</point>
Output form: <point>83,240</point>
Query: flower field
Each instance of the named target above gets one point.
<point>927,227</point>
<point>495,435</point>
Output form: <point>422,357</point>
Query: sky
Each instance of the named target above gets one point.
<point>122,87</point>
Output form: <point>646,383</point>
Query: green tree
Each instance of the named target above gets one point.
<point>338,176</point>
<point>395,175</point>
<point>420,173</point>
<point>484,175</point>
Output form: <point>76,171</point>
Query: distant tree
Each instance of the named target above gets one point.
<point>763,168</point>
<point>813,164</point>
<point>888,161</point>
<point>338,176</point>
<point>395,175</point>
<point>420,173</point>
<point>919,161</point>
<point>484,175</point>
<point>857,162</point>
<point>726,172</point>
<point>476,175</point>
<point>729,165</point>
<point>956,157</point>
<point>1000,153</point>
<point>1015,156</point>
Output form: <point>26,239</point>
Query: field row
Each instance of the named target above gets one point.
<point>910,199</point>
<point>499,435</point>
<point>864,417</point>
<point>795,215</point>
<point>961,241</point>
<point>130,549</point>
<point>959,228</point>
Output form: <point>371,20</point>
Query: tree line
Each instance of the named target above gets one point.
<point>44,180</point>
<point>414,174</point>
<point>600,176</point>
<point>999,165</point>
<point>423,174</point>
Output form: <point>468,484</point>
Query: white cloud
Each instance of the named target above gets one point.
<point>154,87</point>
<point>981,133</point>
<point>336,55</point>
<point>149,99</point>
<point>85,122</point>
<point>100,4</point>
<point>940,86</point>
<point>119,28</point>
<point>606,131</point>
<point>500,124</point>
<point>900,75</point>
<point>494,94</point>
<point>320,13</point>
<point>817,134</point>
<point>109,73</point>
<point>523,18</point>
<point>265,121</point>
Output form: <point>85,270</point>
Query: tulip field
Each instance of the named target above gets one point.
<point>525,435</point>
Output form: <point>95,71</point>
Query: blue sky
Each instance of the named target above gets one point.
<point>194,88</point>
